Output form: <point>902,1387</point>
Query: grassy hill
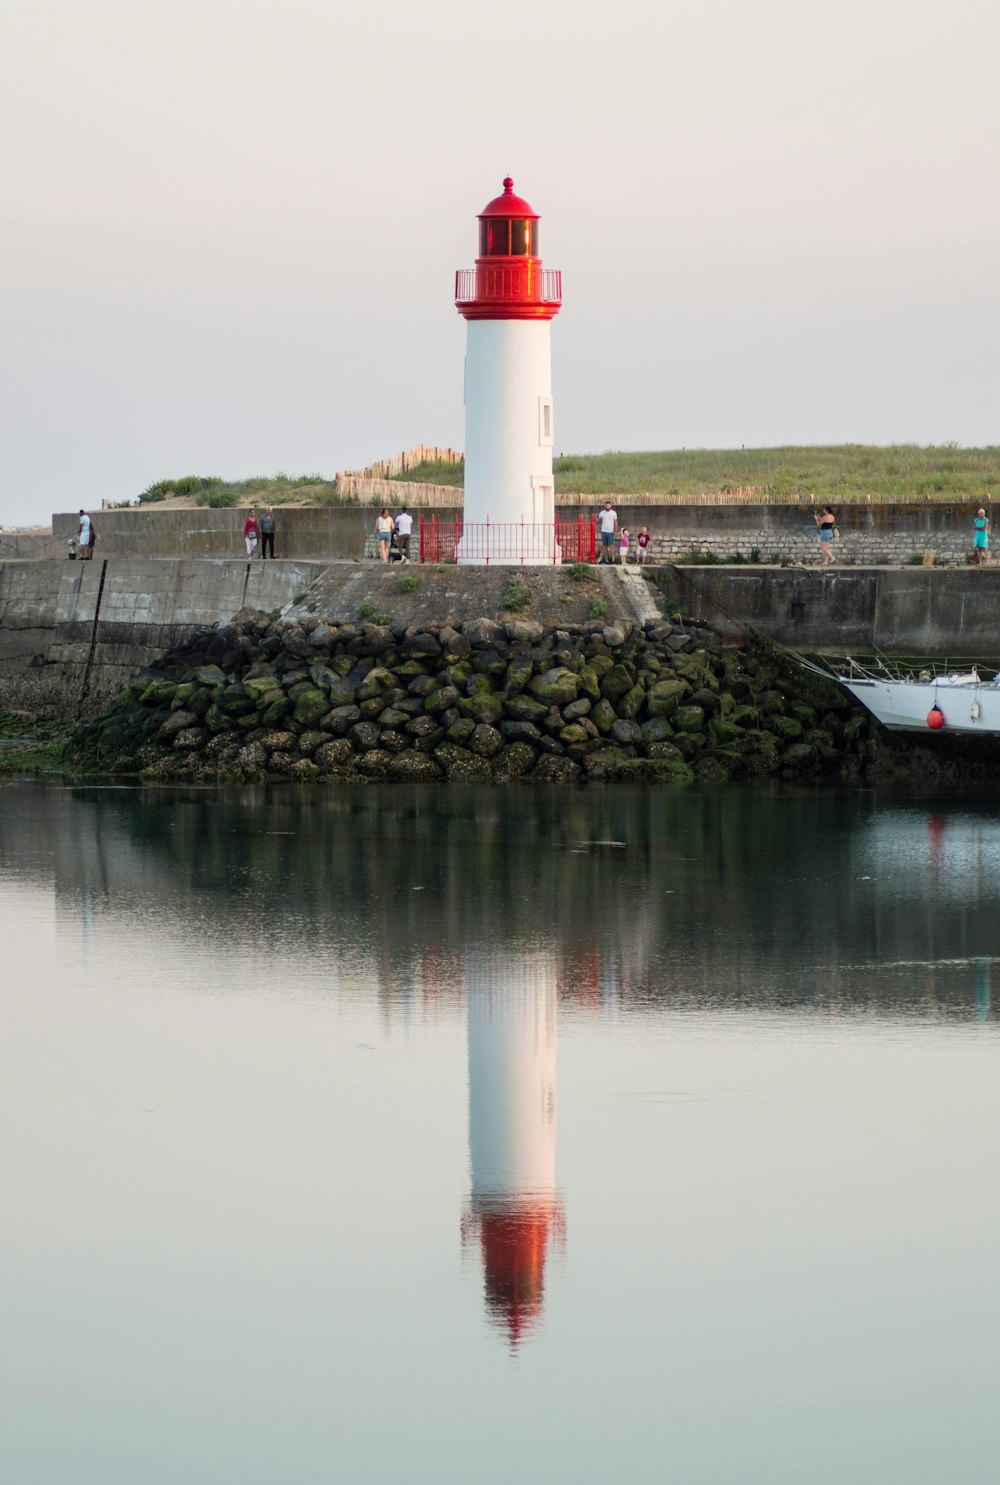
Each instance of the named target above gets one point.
<point>837,473</point>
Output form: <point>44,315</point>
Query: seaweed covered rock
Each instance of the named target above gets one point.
<point>475,701</point>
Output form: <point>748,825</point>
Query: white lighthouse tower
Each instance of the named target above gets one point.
<point>514,1206</point>
<point>508,301</point>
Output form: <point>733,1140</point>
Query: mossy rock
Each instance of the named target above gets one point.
<point>798,758</point>
<point>820,739</point>
<point>632,703</point>
<point>182,695</point>
<point>311,707</point>
<point>259,686</point>
<point>655,730</point>
<point>372,708</point>
<point>411,767</point>
<point>712,770</point>
<point>803,713</point>
<point>689,744</point>
<point>573,734</point>
<point>707,699</point>
<point>340,719</point>
<point>590,682</point>
<point>159,693</point>
<point>524,709</point>
<point>785,728</point>
<point>513,761</point>
<point>375,682</point>
<point>486,707</point>
<point>310,741</point>
<point>331,757</point>
<point>486,741</point>
<point>603,716</point>
<point>688,718</point>
<point>279,741</point>
<point>769,703</point>
<point>555,687</point>
<point>517,675</point>
<point>461,764</point>
<point>461,731</point>
<point>726,732</point>
<point>441,699</point>
<point>616,683</point>
<point>663,697</point>
<point>551,769</point>
<point>374,763</point>
<point>273,715</point>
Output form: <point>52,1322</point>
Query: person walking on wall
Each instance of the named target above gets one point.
<point>607,523</point>
<point>250,533</point>
<point>404,530</point>
<point>981,537</point>
<point>267,533</point>
<point>384,527</point>
<point>85,537</point>
<point>827,523</point>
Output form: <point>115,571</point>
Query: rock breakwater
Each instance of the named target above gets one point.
<point>473,700</point>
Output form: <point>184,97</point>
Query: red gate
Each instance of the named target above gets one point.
<point>509,543</point>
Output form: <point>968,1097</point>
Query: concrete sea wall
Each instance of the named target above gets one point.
<point>872,534</point>
<point>72,633</point>
<point>912,611</point>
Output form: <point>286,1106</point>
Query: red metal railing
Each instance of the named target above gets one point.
<point>516,281</point>
<point>510,543</point>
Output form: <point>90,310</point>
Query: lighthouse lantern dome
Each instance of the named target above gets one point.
<point>508,227</point>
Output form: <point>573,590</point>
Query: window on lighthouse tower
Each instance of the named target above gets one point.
<point>506,237</point>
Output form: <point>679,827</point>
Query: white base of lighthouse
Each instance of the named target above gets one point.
<point>508,443</point>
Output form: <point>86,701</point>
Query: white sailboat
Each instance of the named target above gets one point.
<point>953,701</point>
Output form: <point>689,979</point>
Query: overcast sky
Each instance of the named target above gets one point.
<point>230,227</point>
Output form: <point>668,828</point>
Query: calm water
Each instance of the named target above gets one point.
<point>418,1136</point>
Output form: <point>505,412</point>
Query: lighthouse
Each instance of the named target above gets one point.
<point>514,1207</point>
<point>508,301</point>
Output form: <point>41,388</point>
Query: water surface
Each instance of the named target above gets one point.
<point>421,1135</point>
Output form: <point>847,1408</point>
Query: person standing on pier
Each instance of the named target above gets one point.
<point>607,522</point>
<point>250,533</point>
<point>981,537</point>
<point>85,537</point>
<point>827,523</point>
<point>267,533</point>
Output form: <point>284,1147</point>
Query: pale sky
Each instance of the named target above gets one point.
<point>230,227</point>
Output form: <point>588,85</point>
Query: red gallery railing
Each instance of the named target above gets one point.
<point>451,539</point>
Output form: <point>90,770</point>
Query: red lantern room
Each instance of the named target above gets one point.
<point>508,281</point>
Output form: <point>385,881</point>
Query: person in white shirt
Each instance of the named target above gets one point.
<point>404,530</point>
<point>607,523</point>
<point>85,537</point>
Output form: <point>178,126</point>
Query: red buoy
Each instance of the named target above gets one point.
<point>935,718</point>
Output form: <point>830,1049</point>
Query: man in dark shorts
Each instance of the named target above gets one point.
<point>607,525</point>
<point>404,530</point>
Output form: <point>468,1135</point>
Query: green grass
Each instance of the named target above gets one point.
<point>408,584</point>
<point>370,614</point>
<point>835,473</point>
<point>598,609</point>
<point>581,572</point>
<point>277,489</point>
<point>516,595</point>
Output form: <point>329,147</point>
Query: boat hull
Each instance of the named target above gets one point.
<point>904,705</point>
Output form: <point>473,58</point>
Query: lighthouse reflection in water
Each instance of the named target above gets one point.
<point>514,1211</point>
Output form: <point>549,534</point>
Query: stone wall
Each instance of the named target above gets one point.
<point>913,611</point>
<point>872,534</point>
